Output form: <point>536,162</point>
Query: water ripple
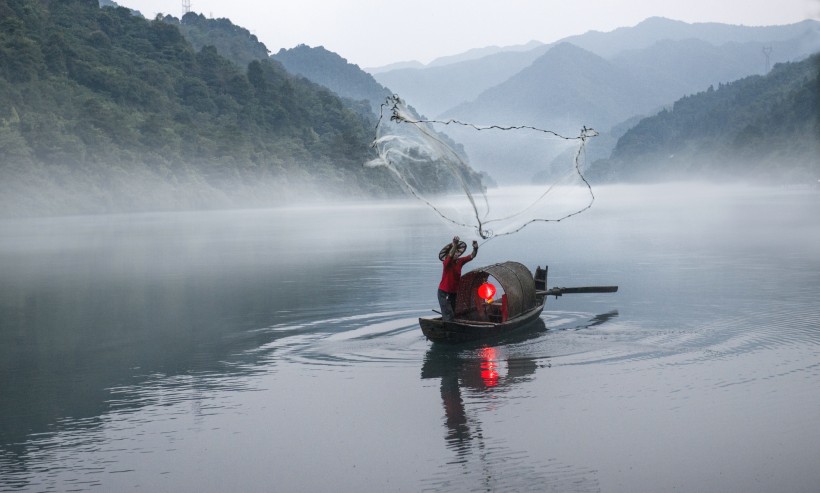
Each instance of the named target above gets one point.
<point>393,338</point>
<point>386,338</point>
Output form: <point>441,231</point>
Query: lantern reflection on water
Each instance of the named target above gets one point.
<point>489,367</point>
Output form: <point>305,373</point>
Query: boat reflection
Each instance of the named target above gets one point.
<point>485,371</point>
<point>477,368</point>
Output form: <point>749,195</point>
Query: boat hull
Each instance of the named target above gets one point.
<point>459,331</point>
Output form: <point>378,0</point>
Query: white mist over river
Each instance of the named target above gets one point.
<point>279,350</point>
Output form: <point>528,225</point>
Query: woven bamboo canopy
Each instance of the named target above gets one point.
<point>514,278</point>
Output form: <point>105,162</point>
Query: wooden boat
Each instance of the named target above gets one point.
<point>521,303</point>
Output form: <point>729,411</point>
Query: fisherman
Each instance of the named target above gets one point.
<point>452,262</point>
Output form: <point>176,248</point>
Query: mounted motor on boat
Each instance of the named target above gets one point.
<point>478,316</point>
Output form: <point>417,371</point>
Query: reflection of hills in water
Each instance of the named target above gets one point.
<point>83,350</point>
<point>105,314</point>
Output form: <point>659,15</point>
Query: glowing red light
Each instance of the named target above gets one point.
<point>486,291</point>
<point>489,367</point>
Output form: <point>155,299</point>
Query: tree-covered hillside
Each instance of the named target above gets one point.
<point>103,110</point>
<point>760,127</point>
<point>231,41</point>
<point>334,72</point>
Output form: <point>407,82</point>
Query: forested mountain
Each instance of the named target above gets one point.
<point>758,128</point>
<point>235,43</point>
<point>103,110</point>
<point>358,88</point>
<point>334,72</point>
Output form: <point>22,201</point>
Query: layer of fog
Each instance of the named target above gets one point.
<point>693,208</point>
<point>64,193</point>
<point>60,190</point>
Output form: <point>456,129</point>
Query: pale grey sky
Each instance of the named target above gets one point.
<point>373,33</point>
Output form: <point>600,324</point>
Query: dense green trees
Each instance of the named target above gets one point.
<point>334,72</point>
<point>760,127</point>
<point>99,107</point>
<point>232,42</point>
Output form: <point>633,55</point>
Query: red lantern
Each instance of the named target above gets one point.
<point>486,292</point>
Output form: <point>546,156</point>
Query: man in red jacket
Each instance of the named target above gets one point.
<point>451,275</point>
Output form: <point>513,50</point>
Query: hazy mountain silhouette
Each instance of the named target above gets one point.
<point>563,84</point>
<point>654,29</point>
<point>434,90</point>
<point>597,80</point>
<point>563,90</point>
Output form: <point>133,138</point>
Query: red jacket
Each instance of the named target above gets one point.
<point>451,274</point>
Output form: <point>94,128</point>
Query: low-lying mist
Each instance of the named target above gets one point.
<point>59,190</point>
<point>766,219</point>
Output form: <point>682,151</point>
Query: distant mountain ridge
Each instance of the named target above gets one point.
<point>608,79</point>
<point>639,36</point>
<point>461,82</point>
<point>547,95</point>
<point>543,93</point>
<point>476,53</point>
<point>654,29</point>
<point>472,54</point>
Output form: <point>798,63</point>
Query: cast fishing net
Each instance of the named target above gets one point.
<point>432,160</point>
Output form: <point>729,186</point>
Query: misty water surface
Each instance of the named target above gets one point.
<point>278,350</point>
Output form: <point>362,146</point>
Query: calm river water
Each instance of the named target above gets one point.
<point>279,350</point>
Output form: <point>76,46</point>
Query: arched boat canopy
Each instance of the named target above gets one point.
<point>514,278</point>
